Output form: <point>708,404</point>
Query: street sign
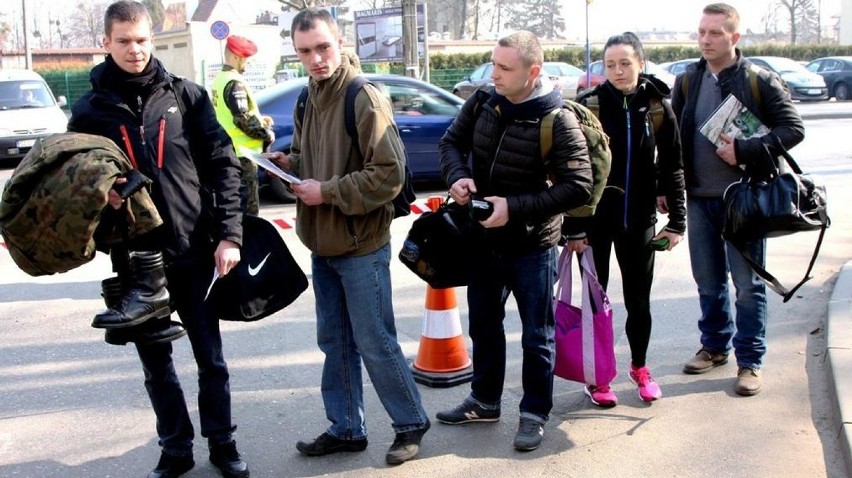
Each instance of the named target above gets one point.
<point>220,30</point>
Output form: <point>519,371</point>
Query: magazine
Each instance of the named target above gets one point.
<point>267,164</point>
<point>733,119</point>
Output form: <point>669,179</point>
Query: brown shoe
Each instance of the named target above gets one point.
<point>748,382</point>
<point>704,360</point>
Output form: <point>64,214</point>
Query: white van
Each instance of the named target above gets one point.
<point>28,111</point>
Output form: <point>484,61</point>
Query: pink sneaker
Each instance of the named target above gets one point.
<point>648,388</point>
<point>601,396</point>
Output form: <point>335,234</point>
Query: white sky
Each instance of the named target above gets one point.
<point>606,17</point>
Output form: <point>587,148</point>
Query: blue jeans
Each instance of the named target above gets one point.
<point>355,322</point>
<point>530,278</point>
<point>713,259</point>
<point>187,287</point>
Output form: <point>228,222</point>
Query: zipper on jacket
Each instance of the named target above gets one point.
<point>128,146</point>
<point>629,157</point>
<point>141,119</point>
<point>496,152</point>
<point>160,140</point>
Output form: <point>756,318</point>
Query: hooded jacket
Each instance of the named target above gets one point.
<point>357,190</point>
<point>645,163</point>
<point>775,110</point>
<point>499,148</point>
<point>172,137</point>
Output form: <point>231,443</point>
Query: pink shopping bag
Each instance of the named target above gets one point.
<point>585,349</point>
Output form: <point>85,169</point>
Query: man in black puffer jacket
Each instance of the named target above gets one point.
<point>168,129</point>
<point>528,193</point>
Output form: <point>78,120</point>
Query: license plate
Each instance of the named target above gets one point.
<point>814,91</point>
<point>25,143</point>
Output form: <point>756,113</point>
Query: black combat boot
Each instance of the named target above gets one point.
<point>153,331</point>
<point>147,298</point>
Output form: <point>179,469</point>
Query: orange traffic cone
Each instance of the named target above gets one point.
<point>442,359</point>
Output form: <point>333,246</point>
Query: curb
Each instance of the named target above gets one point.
<point>839,357</point>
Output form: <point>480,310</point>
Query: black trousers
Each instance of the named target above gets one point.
<point>636,261</point>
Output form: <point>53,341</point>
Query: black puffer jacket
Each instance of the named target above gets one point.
<point>775,110</point>
<point>503,142</point>
<point>655,164</point>
<point>181,147</point>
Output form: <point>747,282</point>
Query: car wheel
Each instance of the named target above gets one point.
<point>841,92</point>
<point>280,189</point>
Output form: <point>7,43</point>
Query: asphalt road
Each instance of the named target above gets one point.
<point>73,406</point>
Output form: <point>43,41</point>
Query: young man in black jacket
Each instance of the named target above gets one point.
<point>168,129</point>
<point>723,71</point>
<point>518,254</point>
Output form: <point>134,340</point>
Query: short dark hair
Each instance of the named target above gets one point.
<point>307,18</point>
<point>627,38</point>
<point>732,16</point>
<point>125,11</point>
<point>527,45</point>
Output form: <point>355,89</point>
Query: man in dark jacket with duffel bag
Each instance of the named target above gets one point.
<point>168,129</point>
<point>518,255</point>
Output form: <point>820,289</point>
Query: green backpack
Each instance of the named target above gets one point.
<point>597,143</point>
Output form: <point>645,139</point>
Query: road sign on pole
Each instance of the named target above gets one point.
<point>220,30</point>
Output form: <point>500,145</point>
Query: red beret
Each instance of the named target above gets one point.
<point>241,46</point>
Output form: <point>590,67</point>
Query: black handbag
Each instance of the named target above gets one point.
<point>785,202</point>
<point>440,247</point>
<point>266,280</point>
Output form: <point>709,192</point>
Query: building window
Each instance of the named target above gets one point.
<point>161,47</point>
<point>180,45</point>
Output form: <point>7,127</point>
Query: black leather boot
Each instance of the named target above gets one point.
<point>147,298</point>
<point>155,331</point>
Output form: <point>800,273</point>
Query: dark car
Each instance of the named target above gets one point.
<point>563,76</point>
<point>837,73</point>
<point>422,111</point>
<point>802,84</point>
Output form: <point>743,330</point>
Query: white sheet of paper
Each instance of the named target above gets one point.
<point>212,281</point>
<point>267,164</point>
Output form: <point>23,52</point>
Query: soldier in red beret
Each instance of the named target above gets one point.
<point>237,112</point>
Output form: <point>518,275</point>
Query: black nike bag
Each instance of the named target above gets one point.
<point>266,280</point>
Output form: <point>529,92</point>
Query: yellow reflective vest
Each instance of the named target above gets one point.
<point>226,118</point>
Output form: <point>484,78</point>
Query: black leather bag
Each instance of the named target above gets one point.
<point>440,247</point>
<point>786,202</point>
<point>266,280</point>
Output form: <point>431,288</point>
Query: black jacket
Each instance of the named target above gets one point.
<point>179,144</point>
<point>775,110</point>
<point>655,163</point>
<point>498,146</point>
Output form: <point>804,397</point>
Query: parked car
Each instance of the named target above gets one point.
<point>598,75</point>
<point>28,111</point>
<point>803,85</point>
<point>677,67</point>
<point>837,73</point>
<point>422,112</point>
<point>563,75</point>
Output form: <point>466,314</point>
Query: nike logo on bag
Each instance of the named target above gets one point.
<point>254,270</point>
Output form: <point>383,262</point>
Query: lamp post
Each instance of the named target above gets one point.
<point>588,50</point>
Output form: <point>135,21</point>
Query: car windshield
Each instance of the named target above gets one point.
<point>16,95</point>
<point>785,65</point>
<point>562,69</point>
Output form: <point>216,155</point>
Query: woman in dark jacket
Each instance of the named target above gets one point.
<point>641,127</point>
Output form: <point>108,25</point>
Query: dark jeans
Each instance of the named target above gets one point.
<point>187,287</point>
<point>530,278</point>
<point>636,262</point>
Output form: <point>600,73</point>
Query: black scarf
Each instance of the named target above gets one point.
<point>130,86</point>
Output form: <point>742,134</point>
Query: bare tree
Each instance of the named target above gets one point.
<point>802,17</point>
<point>155,9</point>
<point>87,24</point>
<point>542,17</point>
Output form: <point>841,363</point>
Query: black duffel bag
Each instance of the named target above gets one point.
<point>440,246</point>
<point>266,280</point>
<point>785,202</point>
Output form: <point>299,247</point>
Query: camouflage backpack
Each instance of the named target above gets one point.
<point>597,143</point>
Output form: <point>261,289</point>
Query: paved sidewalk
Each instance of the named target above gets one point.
<point>839,357</point>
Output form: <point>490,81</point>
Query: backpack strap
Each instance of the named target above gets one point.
<point>546,132</point>
<point>657,113</point>
<point>301,103</point>
<point>349,107</point>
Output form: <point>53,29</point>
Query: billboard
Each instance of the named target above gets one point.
<point>378,34</point>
